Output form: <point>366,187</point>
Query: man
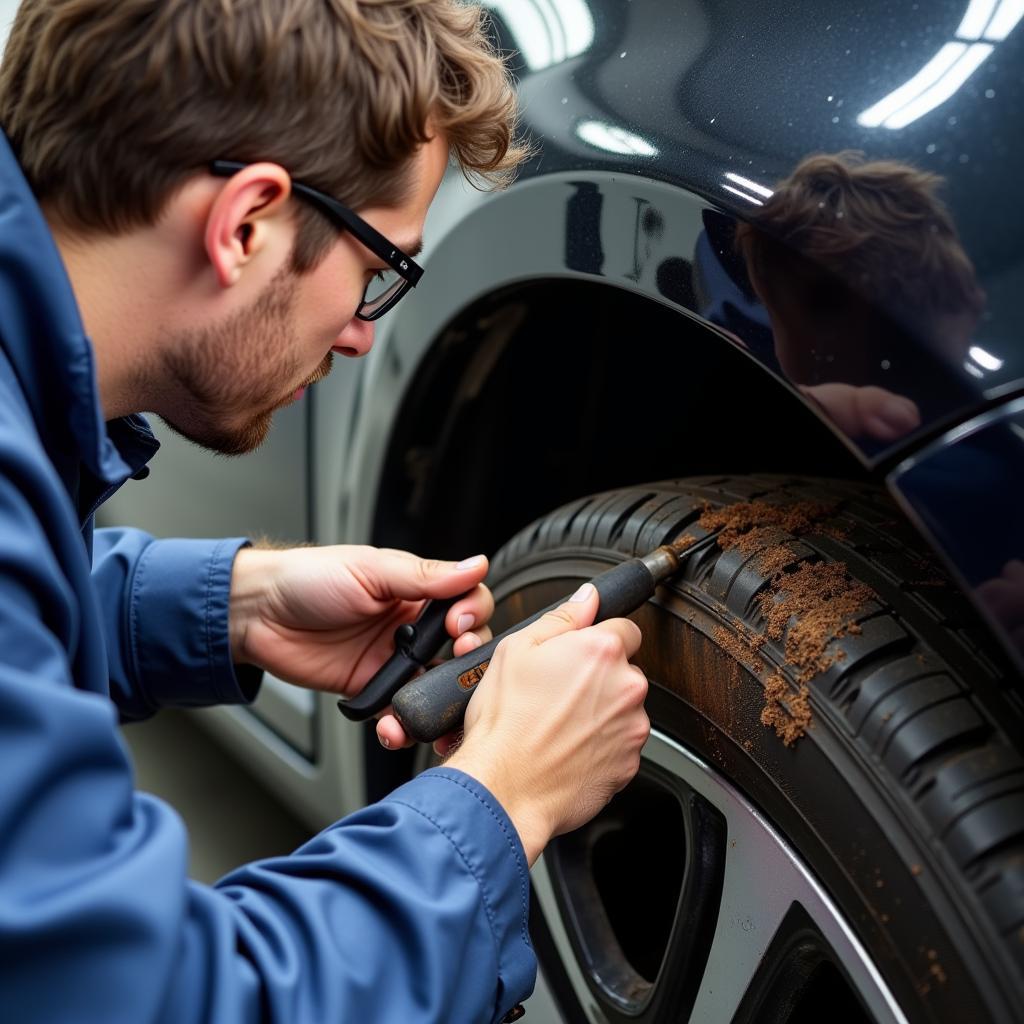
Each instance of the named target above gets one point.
<point>136,273</point>
<point>859,265</point>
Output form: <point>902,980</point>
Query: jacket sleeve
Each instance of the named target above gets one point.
<point>165,614</point>
<point>413,909</point>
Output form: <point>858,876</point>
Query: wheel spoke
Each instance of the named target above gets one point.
<point>749,918</point>
<point>765,888</point>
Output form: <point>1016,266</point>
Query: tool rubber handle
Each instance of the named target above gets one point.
<point>415,644</point>
<point>433,704</point>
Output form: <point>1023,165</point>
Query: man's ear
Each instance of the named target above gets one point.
<point>246,212</point>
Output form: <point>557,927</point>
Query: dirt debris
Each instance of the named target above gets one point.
<point>824,601</point>
<point>744,524</point>
<point>742,645</point>
<point>819,598</point>
<point>787,713</point>
<point>774,558</point>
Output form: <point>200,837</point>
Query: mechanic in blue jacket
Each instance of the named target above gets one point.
<point>131,278</point>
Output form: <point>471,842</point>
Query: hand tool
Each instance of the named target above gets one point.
<point>433,704</point>
<point>416,644</point>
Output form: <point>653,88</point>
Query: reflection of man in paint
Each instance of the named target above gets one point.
<point>860,268</point>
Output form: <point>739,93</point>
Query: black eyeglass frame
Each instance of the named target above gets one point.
<point>405,266</point>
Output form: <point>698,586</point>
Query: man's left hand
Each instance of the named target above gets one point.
<point>325,617</point>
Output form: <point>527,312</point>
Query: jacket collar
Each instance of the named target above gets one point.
<point>42,333</point>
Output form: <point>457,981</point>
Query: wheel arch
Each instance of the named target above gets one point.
<point>491,427</point>
<point>563,246</point>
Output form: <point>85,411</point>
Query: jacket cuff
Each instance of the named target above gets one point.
<point>178,625</point>
<point>483,833</point>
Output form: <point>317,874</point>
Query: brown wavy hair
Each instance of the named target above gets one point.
<point>111,104</point>
<point>876,229</point>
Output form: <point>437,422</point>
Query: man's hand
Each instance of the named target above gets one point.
<point>555,728</point>
<point>866,411</point>
<point>325,617</point>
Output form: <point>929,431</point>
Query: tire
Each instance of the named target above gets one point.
<point>821,827</point>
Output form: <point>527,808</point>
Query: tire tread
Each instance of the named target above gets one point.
<point>919,689</point>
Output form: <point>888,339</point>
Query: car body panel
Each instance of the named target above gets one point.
<point>658,126</point>
<point>726,99</point>
<point>965,492</point>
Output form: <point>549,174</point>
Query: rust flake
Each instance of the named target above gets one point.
<point>824,601</point>
<point>804,610</point>
<point>788,713</point>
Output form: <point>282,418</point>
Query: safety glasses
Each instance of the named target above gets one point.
<point>386,287</point>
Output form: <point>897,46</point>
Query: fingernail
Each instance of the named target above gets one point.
<point>897,416</point>
<point>385,742</point>
<point>465,622</point>
<point>583,593</point>
<point>471,563</point>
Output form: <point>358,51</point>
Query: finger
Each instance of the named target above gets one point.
<point>390,733</point>
<point>1004,600</point>
<point>641,682</point>
<point>475,610</point>
<point>389,574</point>
<point>577,612</point>
<point>470,641</point>
<point>626,630</point>
<point>1014,570</point>
<point>887,413</point>
<point>447,745</point>
<point>900,414</point>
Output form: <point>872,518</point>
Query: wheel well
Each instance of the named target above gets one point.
<point>551,390</point>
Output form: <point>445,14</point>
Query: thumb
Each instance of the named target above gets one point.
<point>576,613</point>
<point>399,574</point>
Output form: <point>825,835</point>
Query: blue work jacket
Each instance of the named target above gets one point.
<point>413,909</point>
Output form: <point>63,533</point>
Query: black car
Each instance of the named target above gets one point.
<point>768,256</point>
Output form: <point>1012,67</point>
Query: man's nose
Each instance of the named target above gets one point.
<point>356,339</point>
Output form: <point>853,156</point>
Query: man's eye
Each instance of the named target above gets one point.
<point>378,275</point>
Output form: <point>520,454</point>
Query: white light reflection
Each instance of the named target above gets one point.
<point>972,369</point>
<point>1005,21</point>
<point>988,20</point>
<point>613,139</point>
<point>977,17</point>
<point>547,32</point>
<point>751,185</point>
<point>943,88</point>
<point>743,195</point>
<point>931,73</point>
<point>984,358</point>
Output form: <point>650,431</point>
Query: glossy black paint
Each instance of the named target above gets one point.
<point>691,92</point>
<point>895,344</point>
<point>967,494</point>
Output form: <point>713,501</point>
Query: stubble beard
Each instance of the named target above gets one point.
<point>226,382</point>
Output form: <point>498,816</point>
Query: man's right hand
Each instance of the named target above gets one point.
<point>555,728</point>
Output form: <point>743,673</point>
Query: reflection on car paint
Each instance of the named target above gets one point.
<point>864,279</point>
<point>967,493</point>
<point>848,282</point>
<point>727,100</point>
<point>676,131</point>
